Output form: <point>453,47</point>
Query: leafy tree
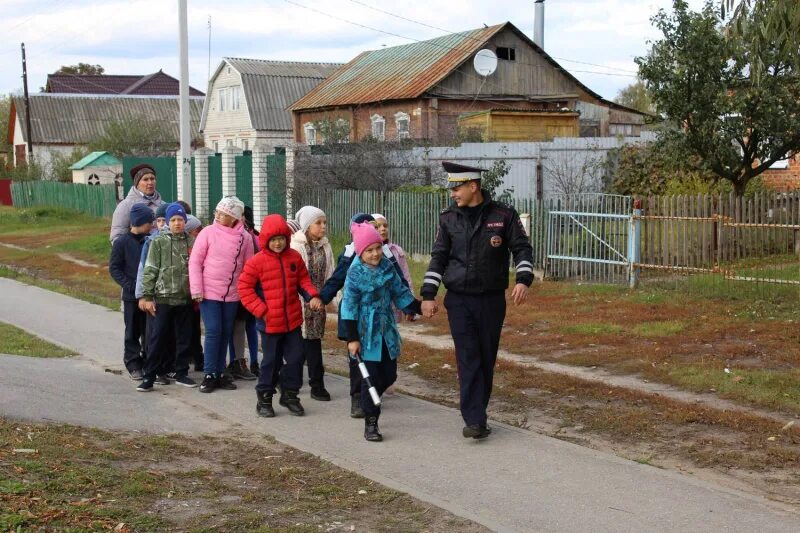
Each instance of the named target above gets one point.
<point>136,136</point>
<point>81,68</point>
<point>636,96</point>
<point>702,80</point>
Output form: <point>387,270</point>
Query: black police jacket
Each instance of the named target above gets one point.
<point>475,259</point>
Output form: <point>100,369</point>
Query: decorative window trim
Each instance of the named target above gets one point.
<point>400,117</point>
<point>310,133</point>
<point>376,120</point>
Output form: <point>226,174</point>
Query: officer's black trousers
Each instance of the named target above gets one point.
<point>475,323</point>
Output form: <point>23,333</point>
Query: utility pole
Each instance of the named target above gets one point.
<point>185,171</point>
<point>27,104</point>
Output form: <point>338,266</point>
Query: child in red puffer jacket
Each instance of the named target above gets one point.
<point>282,275</point>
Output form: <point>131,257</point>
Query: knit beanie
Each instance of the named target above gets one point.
<point>175,209</point>
<point>364,235</point>
<point>141,214</point>
<point>358,218</point>
<point>192,223</point>
<point>161,212</point>
<point>139,171</point>
<point>231,205</point>
<point>307,215</point>
<point>293,225</point>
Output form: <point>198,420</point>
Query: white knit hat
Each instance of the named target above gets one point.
<point>378,216</point>
<point>231,205</point>
<point>307,215</point>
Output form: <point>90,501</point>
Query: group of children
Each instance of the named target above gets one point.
<point>274,283</point>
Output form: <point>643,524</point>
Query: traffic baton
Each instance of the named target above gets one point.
<point>365,374</point>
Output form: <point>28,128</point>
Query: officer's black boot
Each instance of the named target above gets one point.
<point>264,405</point>
<point>355,406</point>
<point>292,403</point>
<point>371,431</point>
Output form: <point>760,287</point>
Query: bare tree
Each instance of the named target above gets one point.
<point>576,173</point>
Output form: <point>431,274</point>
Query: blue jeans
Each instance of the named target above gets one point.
<point>218,320</point>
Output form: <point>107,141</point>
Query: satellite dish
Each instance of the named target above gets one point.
<point>485,62</point>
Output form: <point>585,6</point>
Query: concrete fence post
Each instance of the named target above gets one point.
<point>201,208</point>
<point>229,154</point>
<point>635,246</point>
<point>260,183</point>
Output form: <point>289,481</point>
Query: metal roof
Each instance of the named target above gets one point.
<point>157,83</point>
<point>397,72</point>
<point>96,158</point>
<point>79,119</point>
<point>270,87</point>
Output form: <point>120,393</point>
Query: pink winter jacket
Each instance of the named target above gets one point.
<point>217,259</point>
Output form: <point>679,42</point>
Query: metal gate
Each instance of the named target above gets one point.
<point>591,237</point>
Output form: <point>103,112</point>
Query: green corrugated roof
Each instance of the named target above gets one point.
<point>96,158</point>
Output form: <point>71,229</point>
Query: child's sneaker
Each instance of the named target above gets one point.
<point>264,406</point>
<point>145,386</point>
<point>137,375</point>
<point>186,381</point>
<point>225,382</point>
<point>240,371</point>
<point>255,369</point>
<point>209,383</point>
<point>292,403</point>
<point>162,380</point>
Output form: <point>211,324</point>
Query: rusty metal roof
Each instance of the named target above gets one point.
<point>398,72</point>
<point>80,119</point>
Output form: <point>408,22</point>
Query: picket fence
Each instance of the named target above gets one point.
<point>95,200</point>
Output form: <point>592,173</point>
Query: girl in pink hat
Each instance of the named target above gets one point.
<point>372,286</point>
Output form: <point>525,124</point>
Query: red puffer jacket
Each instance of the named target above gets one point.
<point>282,276</point>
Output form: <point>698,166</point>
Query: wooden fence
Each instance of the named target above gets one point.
<point>704,231</point>
<point>95,200</point>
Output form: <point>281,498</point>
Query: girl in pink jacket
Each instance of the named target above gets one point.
<point>217,259</point>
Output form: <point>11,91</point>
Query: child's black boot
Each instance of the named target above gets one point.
<point>264,405</point>
<point>292,402</point>
<point>371,431</point>
<point>355,406</point>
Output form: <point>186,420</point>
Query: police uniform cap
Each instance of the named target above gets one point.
<point>458,174</point>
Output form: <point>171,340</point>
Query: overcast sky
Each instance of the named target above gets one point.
<point>595,40</point>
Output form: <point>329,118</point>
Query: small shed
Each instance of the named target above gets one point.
<point>97,168</point>
<point>522,125</point>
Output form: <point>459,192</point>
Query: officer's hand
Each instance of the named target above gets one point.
<point>150,307</point>
<point>519,293</point>
<point>429,308</point>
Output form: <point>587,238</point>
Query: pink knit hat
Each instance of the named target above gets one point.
<point>364,235</point>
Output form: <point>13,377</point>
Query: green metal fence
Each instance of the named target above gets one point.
<point>244,177</point>
<point>95,200</point>
<point>214,181</point>
<point>276,183</point>
<point>166,175</point>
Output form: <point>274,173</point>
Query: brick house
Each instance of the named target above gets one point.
<point>422,90</point>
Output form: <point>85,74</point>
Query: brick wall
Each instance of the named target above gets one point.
<point>787,179</point>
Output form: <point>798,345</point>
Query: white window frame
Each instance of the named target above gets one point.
<point>310,133</point>
<point>215,144</point>
<point>400,117</point>
<point>222,96</point>
<point>378,122</point>
<point>236,93</point>
<point>245,144</point>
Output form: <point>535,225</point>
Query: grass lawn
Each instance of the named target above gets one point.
<point>15,341</point>
<point>67,478</point>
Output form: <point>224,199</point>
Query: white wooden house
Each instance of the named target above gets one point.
<point>248,99</point>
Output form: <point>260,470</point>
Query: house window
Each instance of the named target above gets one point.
<point>342,130</point>
<point>228,142</point>
<point>216,146</point>
<point>222,95</point>
<point>235,97</point>
<point>402,121</point>
<point>311,133</point>
<point>245,144</point>
<point>378,127</point>
<point>504,52</point>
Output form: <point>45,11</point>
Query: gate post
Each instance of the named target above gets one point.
<point>201,208</point>
<point>634,244</point>
<point>260,183</point>
<point>229,154</point>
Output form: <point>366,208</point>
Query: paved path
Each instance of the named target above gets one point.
<point>515,481</point>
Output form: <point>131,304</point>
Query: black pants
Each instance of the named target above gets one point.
<point>197,343</point>
<point>475,323</point>
<point>135,335</point>
<point>355,375</point>
<point>312,352</point>
<point>282,362</point>
<point>169,340</point>
<point>382,374</point>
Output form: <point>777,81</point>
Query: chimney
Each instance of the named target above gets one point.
<point>538,23</point>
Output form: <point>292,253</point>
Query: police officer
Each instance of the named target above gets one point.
<point>471,257</point>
